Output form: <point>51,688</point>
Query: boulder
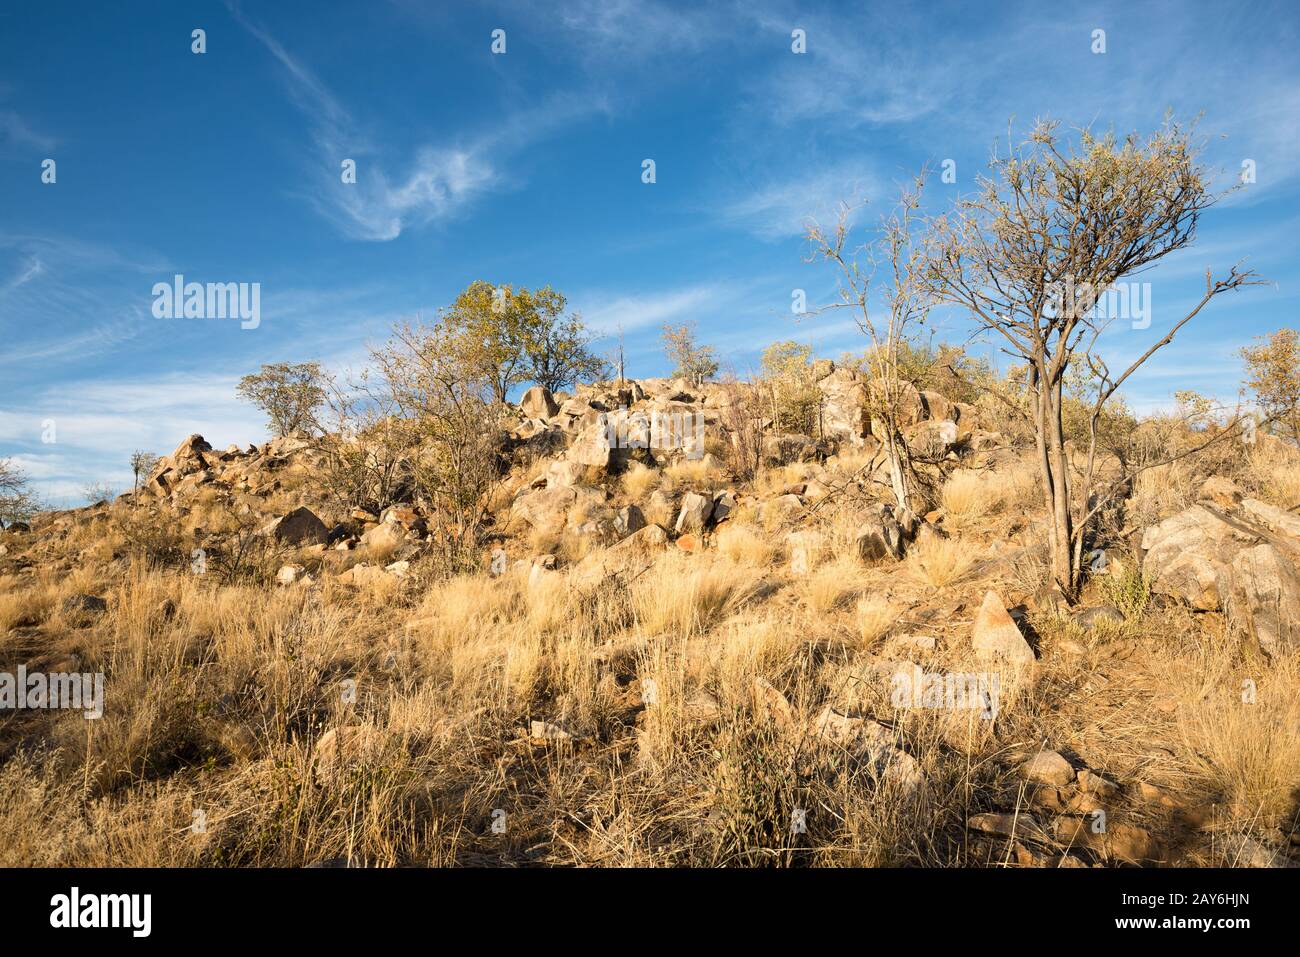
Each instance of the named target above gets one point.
<point>806,548</point>
<point>385,537</point>
<point>88,605</point>
<point>938,407</point>
<point>996,636</point>
<point>1187,555</point>
<point>299,527</point>
<point>724,503</point>
<point>694,514</point>
<point>787,448</point>
<point>592,446</point>
<point>1223,492</point>
<point>878,538</point>
<point>1048,768</point>
<point>624,560</point>
<point>562,474</point>
<point>844,415</point>
<point>538,403</point>
<point>545,509</point>
<point>629,519</point>
<point>1266,591</point>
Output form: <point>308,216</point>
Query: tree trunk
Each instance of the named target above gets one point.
<point>1053,468</point>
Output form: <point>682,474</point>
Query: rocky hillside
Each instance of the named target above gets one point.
<point>662,658</point>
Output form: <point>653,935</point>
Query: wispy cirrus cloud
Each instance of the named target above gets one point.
<point>17,135</point>
<point>438,183</point>
<point>779,209</point>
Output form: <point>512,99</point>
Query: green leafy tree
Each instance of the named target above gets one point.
<point>792,394</point>
<point>1273,374</point>
<point>289,394</point>
<point>558,353</point>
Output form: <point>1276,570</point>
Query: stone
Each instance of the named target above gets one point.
<point>878,538</point>
<point>689,543</point>
<point>1223,492</point>
<point>400,515</point>
<point>366,576</point>
<point>724,503</point>
<point>538,403</point>
<point>386,537</point>
<point>339,748</point>
<point>546,732</point>
<point>628,519</point>
<point>1267,589</point>
<point>624,560</point>
<point>938,407</point>
<point>772,704</point>
<point>1104,615</point>
<point>592,447</point>
<point>1007,825</point>
<point>788,448</point>
<point>694,514</point>
<point>1094,783</point>
<point>299,527</point>
<point>84,605</point>
<point>1048,767</point>
<point>1186,556</point>
<point>844,415</point>
<point>563,474</point>
<point>288,574</point>
<point>1125,843</point>
<point>806,548</point>
<point>996,636</point>
<point>545,509</point>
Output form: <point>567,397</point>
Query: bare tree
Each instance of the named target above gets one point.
<point>899,252</point>
<point>17,501</point>
<point>1057,224</point>
<point>691,361</point>
<point>142,463</point>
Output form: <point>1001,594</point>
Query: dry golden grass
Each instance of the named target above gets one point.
<point>969,498</point>
<point>685,595</point>
<point>831,586</point>
<point>1278,473</point>
<point>639,480</point>
<point>218,695</point>
<point>940,562</point>
<point>875,617</point>
<point>742,543</point>
<point>700,474</point>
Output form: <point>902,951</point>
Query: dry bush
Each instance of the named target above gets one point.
<point>639,480</point>
<point>939,562</point>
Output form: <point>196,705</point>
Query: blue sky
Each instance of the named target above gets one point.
<point>526,168</point>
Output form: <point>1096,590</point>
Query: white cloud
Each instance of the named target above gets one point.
<point>606,314</point>
<point>778,210</point>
